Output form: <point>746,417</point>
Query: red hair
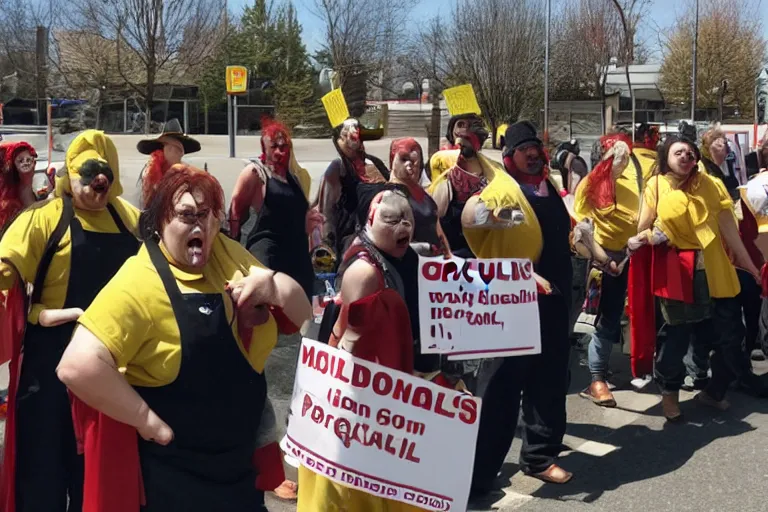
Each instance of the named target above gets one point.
<point>600,188</point>
<point>156,169</point>
<point>271,127</point>
<point>10,198</point>
<point>180,178</point>
<point>406,144</point>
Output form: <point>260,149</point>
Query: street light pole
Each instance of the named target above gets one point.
<point>693,71</point>
<point>546,75</point>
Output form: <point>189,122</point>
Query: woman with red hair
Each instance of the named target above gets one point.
<point>276,189</point>
<point>193,339</point>
<point>608,199</point>
<point>17,168</point>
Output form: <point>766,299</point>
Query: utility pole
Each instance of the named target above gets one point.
<point>546,74</point>
<point>693,71</point>
<point>41,75</point>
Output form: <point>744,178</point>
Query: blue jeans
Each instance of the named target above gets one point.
<point>608,331</point>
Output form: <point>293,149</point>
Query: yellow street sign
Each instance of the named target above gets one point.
<point>237,79</point>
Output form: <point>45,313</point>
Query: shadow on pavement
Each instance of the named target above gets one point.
<point>643,453</point>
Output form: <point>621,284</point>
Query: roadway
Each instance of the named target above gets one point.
<point>625,458</point>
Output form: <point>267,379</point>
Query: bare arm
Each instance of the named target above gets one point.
<point>360,280</point>
<point>89,371</point>
<point>477,215</point>
<point>442,198</point>
<point>647,217</point>
<point>328,198</point>
<point>730,233</point>
<point>249,192</point>
<point>263,287</point>
<point>290,297</point>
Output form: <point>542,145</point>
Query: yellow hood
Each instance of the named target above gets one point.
<point>305,180</point>
<point>89,145</point>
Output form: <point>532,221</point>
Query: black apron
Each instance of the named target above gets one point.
<point>214,408</point>
<point>452,228</point>
<point>48,467</point>
<point>279,240</point>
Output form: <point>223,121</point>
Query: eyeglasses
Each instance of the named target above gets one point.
<point>190,217</point>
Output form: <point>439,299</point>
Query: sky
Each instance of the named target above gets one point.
<point>661,15</point>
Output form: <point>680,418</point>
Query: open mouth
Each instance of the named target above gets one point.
<point>403,241</point>
<point>195,243</point>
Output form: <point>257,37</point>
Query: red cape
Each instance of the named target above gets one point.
<point>642,312</point>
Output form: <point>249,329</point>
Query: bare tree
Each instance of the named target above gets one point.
<point>587,34</point>
<point>19,55</point>
<point>498,46</point>
<point>428,57</point>
<point>155,41</point>
<point>363,43</point>
<point>730,47</point>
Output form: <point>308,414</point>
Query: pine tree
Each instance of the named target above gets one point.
<point>294,89</point>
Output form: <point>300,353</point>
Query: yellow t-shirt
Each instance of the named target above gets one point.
<point>522,241</point>
<point>614,224</point>
<point>320,494</point>
<point>137,324</point>
<point>23,244</point>
<point>690,220</point>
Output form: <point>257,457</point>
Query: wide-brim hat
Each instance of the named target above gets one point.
<point>171,129</point>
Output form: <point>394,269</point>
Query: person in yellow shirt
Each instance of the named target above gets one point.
<point>68,248</point>
<point>460,173</point>
<point>687,217</point>
<point>192,339</point>
<point>610,198</point>
<point>542,379</point>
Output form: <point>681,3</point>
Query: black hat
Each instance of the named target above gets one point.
<point>518,134</point>
<point>173,130</point>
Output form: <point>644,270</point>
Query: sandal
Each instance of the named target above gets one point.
<point>288,491</point>
<point>554,474</point>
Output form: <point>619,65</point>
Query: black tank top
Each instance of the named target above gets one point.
<point>451,224</point>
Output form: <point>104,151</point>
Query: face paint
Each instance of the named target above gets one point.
<point>91,191</point>
<point>188,236</point>
<point>469,135</point>
<point>390,223</point>
<point>173,151</point>
<point>277,152</point>
<point>349,137</point>
<point>24,162</point>
<point>681,159</point>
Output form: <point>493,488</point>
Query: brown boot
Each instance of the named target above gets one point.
<point>670,405</point>
<point>599,393</point>
<point>706,399</point>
